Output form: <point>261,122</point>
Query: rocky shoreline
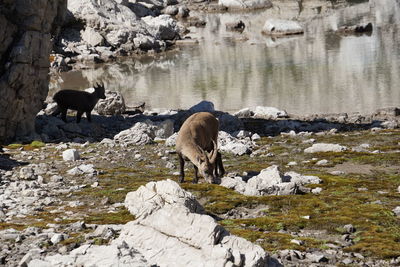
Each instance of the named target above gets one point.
<point>94,33</point>
<point>49,201</point>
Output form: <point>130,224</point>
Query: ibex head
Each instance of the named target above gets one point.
<point>99,90</point>
<point>206,163</point>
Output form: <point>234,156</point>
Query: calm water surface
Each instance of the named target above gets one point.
<point>318,72</point>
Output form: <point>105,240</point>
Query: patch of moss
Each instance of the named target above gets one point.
<point>16,226</point>
<point>14,146</point>
<point>37,144</point>
<point>269,240</point>
<point>339,203</point>
<point>122,216</point>
<point>26,147</point>
<point>74,238</point>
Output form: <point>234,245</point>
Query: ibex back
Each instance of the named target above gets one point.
<point>197,141</point>
<point>81,101</point>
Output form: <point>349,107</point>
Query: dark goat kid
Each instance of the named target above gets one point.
<point>81,101</point>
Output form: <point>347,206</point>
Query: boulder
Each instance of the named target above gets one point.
<point>89,255</point>
<point>171,10</point>
<point>245,4</point>
<point>114,104</point>
<point>229,144</point>
<point>145,42</point>
<point>170,229</point>
<point>117,23</point>
<point>50,108</point>
<point>82,169</point>
<point>323,147</point>
<point>396,211</point>
<point>198,241</point>
<point>145,132</point>
<point>244,113</point>
<point>269,113</point>
<point>139,134</point>
<point>162,27</point>
<point>121,25</point>
<point>92,37</point>
<point>203,106</point>
<point>164,129</point>
<point>71,155</point>
<point>228,122</point>
<point>155,195</point>
<point>279,27</point>
<point>183,12</point>
<point>261,112</point>
<point>171,141</point>
<point>270,181</point>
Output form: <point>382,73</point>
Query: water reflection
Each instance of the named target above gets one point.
<point>317,72</point>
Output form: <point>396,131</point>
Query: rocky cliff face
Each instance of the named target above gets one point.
<point>25,45</point>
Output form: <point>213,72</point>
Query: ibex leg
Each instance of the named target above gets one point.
<point>79,116</point>
<point>182,167</point>
<point>196,174</point>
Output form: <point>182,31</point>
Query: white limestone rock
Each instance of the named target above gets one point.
<point>27,173</point>
<point>171,229</point>
<point>261,112</point>
<point>271,182</point>
<point>171,222</point>
<point>155,195</point>
<point>162,27</point>
<point>164,129</point>
<point>171,141</point>
<point>57,238</point>
<point>139,134</point>
<point>114,104</point>
<point>323,147</point>
<point>244,113</point>
<point>87,255</point>
<point>229,144</point>
<point>145,132</point>
<point>396,211</point>
<point>92,37</point>
<point>82,169</point>
<point>71,155</point>
<point>269,113</point>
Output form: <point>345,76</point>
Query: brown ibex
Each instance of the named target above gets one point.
<point>81,101</point>
<point>197,141</point>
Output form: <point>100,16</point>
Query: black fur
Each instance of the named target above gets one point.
<point>81,101</point>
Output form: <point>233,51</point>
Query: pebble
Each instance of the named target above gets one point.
<point>322,162</point>
<point>297,242</point>
<point>57,238</point>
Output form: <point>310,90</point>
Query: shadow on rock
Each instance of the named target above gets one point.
<point>7,164</point>
<point>247,125</point>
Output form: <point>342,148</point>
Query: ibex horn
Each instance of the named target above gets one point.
<point>214,153</point>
